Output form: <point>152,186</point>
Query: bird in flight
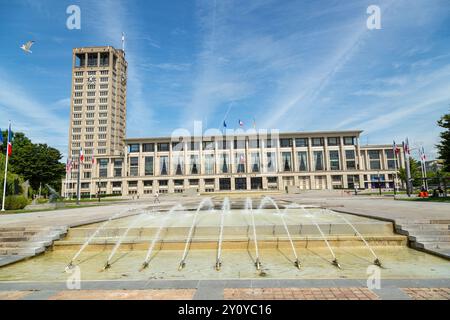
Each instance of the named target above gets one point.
<point>26,47</point>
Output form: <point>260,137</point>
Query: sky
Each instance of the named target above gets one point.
<point>291,65</point>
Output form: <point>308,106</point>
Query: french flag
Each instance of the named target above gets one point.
<point>241,123</point>
<point>9,141</point>
<point>81,155</point>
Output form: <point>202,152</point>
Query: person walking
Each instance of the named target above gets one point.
<point>156,197</point>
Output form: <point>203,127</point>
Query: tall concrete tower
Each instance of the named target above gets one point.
<point>98,104</point>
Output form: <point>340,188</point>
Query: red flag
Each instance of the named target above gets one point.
<point>93,160</point>
<point>9,141</point>
<point>81,155</point>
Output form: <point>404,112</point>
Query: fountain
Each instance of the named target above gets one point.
<point>249,208</point>
<point>101,227</point>
<point>225,208</point>
<point>266,200</point>
<point>119,242</point>
<point>377,261</point>
<point>158,233</point>
<point>311,217</point>
<point>205,201</point>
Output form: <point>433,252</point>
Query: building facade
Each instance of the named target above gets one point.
<point>98,104</point>
<point>299,160</point>
<point>224,162</point>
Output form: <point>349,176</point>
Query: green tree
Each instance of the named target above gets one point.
<point>416,173</point>
<point>13,181</point>
<point>444,145</point>
<point>37,163</point>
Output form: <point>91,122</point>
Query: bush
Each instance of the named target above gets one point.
<point>15,202</point>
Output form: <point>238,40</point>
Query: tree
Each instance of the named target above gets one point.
<point>444,146</point>
<point>415,170</point>
<point>37,163</point>
<point>13,181</point>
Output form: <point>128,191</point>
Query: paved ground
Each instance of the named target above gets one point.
<point>339,289</point>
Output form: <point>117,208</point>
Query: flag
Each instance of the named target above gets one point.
<point>406,147</point>
<point>9,141</point>
<point>224,124</point>
<point>395,148</point>
<point>68,165</point>
<point>93,160</point>
<point>254,123</point>
<point>242,159</point>
<point>423,157</point>
<point>81,155</point>
<point>1,135</point>
<point>241,124</point>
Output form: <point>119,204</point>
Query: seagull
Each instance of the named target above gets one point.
<point>26,47</point>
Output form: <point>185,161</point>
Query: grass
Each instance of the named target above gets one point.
<point>66,207</point>
<point>430,199</point>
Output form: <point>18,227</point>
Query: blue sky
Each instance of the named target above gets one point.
<point>290,65</point>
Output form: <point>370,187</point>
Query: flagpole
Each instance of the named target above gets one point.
<point>395,168</point>
<point>78,180</point>
<point>6,168</point>
<point>408,172</point>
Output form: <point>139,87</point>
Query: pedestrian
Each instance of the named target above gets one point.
<point>156,197</point>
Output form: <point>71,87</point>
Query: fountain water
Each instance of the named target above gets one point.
<point>377,261</point>
<point>158,233</point>
<point>249,208</point>
<point>225,209</point>
<point>206,201</point>
<point>101,227</point>
<point>311,217</point>
<point>266,200</point>
<point>119,242</point>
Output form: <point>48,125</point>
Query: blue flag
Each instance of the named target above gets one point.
<point>224,124</point>
<point>1,135</point>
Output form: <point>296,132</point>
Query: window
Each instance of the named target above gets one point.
<point>334,160</point>
<point>193,146</point>
<point>302,161</point>
<point>148,147</point>
<point>148,166</point>
<point>374,159</point>
<point>148,183</point>
<point>117,167</point>
<point>132,184</point>
<point>103,168</point>
<point>349,141</point>
<point>390,159</point>
<point>301,142</point>
<point>333,141</point>
<point>117,184</point>
<point>92,59</point>
<point>178,164</point>
<point>177,146</point>
<point>224,163</point>
<point>194,164</point>
<point>164,146</point>
<point>255,162</point>
<point>163,183</point>
<point>209,164</point>
<point>178,182</point>
<point>134,166</point>
<point>271,162</point>
<point>318,160</point>
<point>286,158</point>
<point>285,143</point>
<point>240,162</point>
<point>253,143</point>
<point>239,143</point>
<point>317,142</point>
<point>350,159</point>
<point>133,147</point>
<point>208,145</point>
<point>163,163</point>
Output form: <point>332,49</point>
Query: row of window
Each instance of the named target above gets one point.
<point>240,144</point>
<point>223,163</point>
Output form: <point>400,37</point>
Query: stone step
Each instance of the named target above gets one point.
<point>17,233</point>
<point>423,227</point>
<point>14,239</point>
<point>431,245</point>
<point>8,251</point>
<point>24,244</point>
<point>418,233</point>
<point>436,238</point>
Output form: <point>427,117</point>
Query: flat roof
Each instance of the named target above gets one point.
<point>256,132</point>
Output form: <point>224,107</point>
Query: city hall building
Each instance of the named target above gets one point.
<point>203,163</point>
